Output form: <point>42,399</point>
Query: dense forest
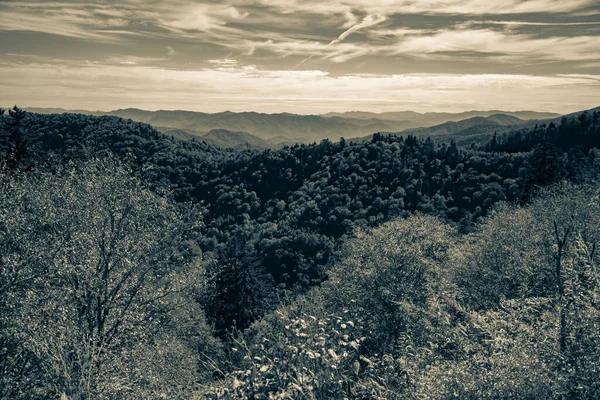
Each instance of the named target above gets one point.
<point>136,265</point>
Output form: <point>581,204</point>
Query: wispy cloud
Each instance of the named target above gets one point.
<point>530,23</point>
<point>102,19</point>
<point>132,60</point>
<point>459,42</point>
<point>499,45</point>
<point>368,21</point>
<point>62,25</point>
<point>197,16</point>
<point>432,7</point>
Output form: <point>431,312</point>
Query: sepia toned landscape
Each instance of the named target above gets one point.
<point>286,199</point>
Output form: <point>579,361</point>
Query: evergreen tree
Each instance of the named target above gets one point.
<point>545,165</point>
<point>240,289</point>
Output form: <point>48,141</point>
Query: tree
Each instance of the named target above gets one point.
<point>545,166</point>
<point>14,138</point>
<point>94,264</point>
<point>579,316</point>
<point>494,143</point>
<point>240,290</point>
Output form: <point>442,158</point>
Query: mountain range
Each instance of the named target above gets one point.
<point>434,118</point>
<point>251,129</point>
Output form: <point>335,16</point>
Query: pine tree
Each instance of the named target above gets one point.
<point>14,140</point>
<point>241,288</point>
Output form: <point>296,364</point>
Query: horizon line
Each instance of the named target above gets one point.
<point>303,114</point>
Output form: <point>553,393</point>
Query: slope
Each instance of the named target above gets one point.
<point>235,140</point>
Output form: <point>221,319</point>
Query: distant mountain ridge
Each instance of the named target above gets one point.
<point>499,123</point>
<point>453,127</point>
<point>264,126</point>
<point>275,130</point>
<point>478,129</point>
<point>434,118</point>
<point>231,140</point>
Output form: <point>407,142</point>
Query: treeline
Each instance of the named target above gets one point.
<point>272,220</point>
<point>572,133</point>
<point>36,141</point>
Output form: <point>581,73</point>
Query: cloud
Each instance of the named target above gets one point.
<point>198,17</point>
<point>499,45</point>
<point>225,64</point>
<point>98,21</point>
<point>236,52</point>
<point>368,21</point>
<point>459,43</point>
<point>267,28</point>
<point>103,19</point>
<point>341,52</point>
<point>431,7</point>
<point>133,60</point>
<point>61,25</point>
<point>529,23</point>
<point>244,88</point>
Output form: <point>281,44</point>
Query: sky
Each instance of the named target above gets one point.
<point>301,56</point>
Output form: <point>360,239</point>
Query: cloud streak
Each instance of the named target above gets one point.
<point>529,23</point>
<point>367,22</point>
<point>432,7</point>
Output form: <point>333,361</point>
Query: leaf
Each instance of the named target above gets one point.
<point>332,354</point>
<point>356,367</point>
<point>365,359</point>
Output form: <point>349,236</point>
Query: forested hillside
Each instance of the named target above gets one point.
<point>292,207</point>
<point>274,224</point>
<point>578,131</point>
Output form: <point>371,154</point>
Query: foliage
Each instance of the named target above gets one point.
<point>572,132</point>
<point>400,299</point>
<point>387,269</point>
<point>94,266</point>
<point>238,290</point>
